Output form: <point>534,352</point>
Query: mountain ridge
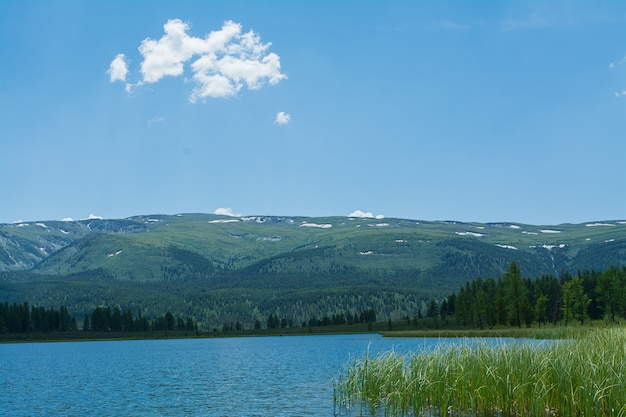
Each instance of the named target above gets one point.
<point>203,263</point>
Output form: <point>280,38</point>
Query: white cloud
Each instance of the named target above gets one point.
<point>67,219</point>
<point>226,211</point>
<point>157,119</point>
<point>93,217</point>
<point>282,118</point>
<point>365,215</point>
<point>118,69</point>
<point>613,66</point>
<point>448,24</point>
<point>222,62</point>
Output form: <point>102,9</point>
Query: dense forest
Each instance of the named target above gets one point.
<point>22,318</point>
<point>510,300</point>
<point>515,301</point>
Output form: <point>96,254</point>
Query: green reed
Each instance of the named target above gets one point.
<point>579,377</point>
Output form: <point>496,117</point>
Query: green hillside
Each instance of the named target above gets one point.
<point>222,269</point>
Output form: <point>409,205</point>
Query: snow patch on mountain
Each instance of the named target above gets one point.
<point>321,226</point>
<point>506,246</point>
<point>549,231</point>
<point>474,234</point>
<point>599,224</point>
<point>550,247</point>
<point>269,239</point>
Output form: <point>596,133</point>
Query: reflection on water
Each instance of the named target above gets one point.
<point>249,376</point>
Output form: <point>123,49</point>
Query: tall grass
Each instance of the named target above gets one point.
<point>580,377</point>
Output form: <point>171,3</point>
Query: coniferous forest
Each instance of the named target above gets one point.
<point>515,301</point>
<point>510,300</point>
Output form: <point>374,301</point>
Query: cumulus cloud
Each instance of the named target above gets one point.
<point>365,215</point>
<point>93,217</point>
<point>359,213</point>
<point>67,219</point>
<point>118,69</point>
<point>226,211</point>
<point>282,118</point>
<point>222,62</point>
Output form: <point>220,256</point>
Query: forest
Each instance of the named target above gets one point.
<point>22,318</point>
<point>509,300</point>
<point>515,301</point>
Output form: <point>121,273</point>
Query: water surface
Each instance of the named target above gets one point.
<point>248,376</point>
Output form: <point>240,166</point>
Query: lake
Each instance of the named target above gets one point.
<point>248,376</point>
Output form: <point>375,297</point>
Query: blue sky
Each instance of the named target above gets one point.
<point>468,111</point>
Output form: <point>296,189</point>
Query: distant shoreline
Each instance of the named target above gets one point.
<point>545,332</point>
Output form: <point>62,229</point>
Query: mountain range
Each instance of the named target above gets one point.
<point>222,269</point>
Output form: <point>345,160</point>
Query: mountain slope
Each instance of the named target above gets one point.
<point>213,265</point>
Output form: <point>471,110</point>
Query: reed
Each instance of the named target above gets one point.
<point>578,377</point>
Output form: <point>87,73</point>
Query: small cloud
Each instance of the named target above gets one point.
<point>613,65</point>
<point>365,215</point>
<point>157,119</point>
<point>118,69</point>
<point>222,62</point>
<point>362,214</point>
<point>93,217</point>
<point>447,24</point>
<point>226,211</point>
<point>282,118</point>
<point>67,219</point>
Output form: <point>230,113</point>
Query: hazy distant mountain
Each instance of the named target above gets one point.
<point>210,265</point>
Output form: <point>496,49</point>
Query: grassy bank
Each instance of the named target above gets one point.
<point>546,332</point>
<point>585,376</point>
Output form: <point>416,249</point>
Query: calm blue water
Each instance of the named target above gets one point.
<point>251,376</point>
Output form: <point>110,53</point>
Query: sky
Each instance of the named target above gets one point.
<point>491,111</point>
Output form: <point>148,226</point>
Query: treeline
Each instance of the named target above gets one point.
<point>275,322</point>
<point>119,320</point>
<point>22,318</point>
<point>515,301</point>
<point>366,316</point>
